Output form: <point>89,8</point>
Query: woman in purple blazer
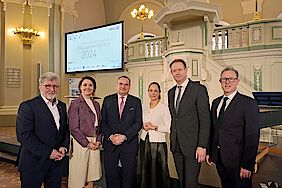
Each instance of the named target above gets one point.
<point>84,117</point>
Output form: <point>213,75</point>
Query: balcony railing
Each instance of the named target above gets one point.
<point>145,49</point>
<point>254,35</point>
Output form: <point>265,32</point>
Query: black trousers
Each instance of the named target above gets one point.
<point>230,176</point>
<point>116,177</point>
<point>50,176</point>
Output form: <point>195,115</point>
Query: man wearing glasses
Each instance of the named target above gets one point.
<point>234,133</point>
<point>43,132</point>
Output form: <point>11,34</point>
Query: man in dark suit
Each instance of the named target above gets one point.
<point>234,134</point>
<point>121,122</point>
<point>43,132</point>
<point>190,126</point>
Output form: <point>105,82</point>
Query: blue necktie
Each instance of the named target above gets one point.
<point>221,112</point>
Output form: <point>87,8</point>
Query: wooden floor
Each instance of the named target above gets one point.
<point>269,169</point>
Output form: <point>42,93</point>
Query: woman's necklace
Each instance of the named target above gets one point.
<point>153,105</point>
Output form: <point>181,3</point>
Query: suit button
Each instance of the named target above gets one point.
<point>218,147</point>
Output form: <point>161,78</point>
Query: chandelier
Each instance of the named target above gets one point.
<point>26,34</point>
<point>142,14</point>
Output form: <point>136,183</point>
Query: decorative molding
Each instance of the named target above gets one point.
<point>195,71</point>
<point>276,32</point>
<point>256,34</point>
<point>140,87</point>
<point>190,8</point>
<point>248,54</point>
<point>249,6</point>
<point>248,49</point>
<point>67,6</point>
<point>131,51</point>
<point>257,77</point>
<point>13,77</point>
<point>141,50</point>
<point>8,110</point>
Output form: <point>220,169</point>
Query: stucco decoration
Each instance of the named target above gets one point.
<point>180,10</point>
<point>257,77</point>
<point>67,6</point>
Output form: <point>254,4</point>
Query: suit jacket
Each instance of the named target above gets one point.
<point>191,125</point>
<point>238,135</point>
<point>82,120</point>
<point>37,132</point>
<point>129,124</point>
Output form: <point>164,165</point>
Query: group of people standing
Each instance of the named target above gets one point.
<point>134,136</point>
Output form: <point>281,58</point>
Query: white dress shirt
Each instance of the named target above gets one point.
<point>54,110</point>
<point>230,97</point>
<point>184,85</point>
<point>158,116</point>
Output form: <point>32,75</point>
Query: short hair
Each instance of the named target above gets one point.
<point>48,76</point>
<point>229,68</point>
<point>178,60</point>
<point>158,85</point>
<point>123,76</point>
<point>87,78</point>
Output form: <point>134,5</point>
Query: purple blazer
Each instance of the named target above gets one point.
<point>82,121</point>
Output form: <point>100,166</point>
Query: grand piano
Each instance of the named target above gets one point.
<point>270,105</point>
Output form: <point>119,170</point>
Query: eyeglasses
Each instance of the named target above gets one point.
<point>222,80</point>
<point>48,86</point>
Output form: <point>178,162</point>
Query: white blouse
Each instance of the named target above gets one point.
<point>158,116</point>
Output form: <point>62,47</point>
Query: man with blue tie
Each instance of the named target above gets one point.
<point>120,124</point>
<point>43,132</point>
<point>235,133</point>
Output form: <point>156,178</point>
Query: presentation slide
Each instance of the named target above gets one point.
<point>96,49</point>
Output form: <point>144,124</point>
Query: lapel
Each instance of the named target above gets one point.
<point>62,114</point>
<point>46,111</point>
<point>96,106</point>
<point>85,106</point>
<point>171,100</point>
<point>186,94</point>
<point>214,110</point>
<point>227,112</point>
<point>233,103</point>
<point>115,109</point>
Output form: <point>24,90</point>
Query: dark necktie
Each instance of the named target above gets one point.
<point>178,99</point>
<point>221,112</point>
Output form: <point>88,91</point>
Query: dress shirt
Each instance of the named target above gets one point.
<point>158,116</point>
<point>54,110</point>
<point>230,97</point>
<point>184,85</point>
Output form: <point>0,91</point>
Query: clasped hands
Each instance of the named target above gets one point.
<point>149,126</point>
<point>117,139</point>
<point>93,145</point>
<point>58,155</point>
